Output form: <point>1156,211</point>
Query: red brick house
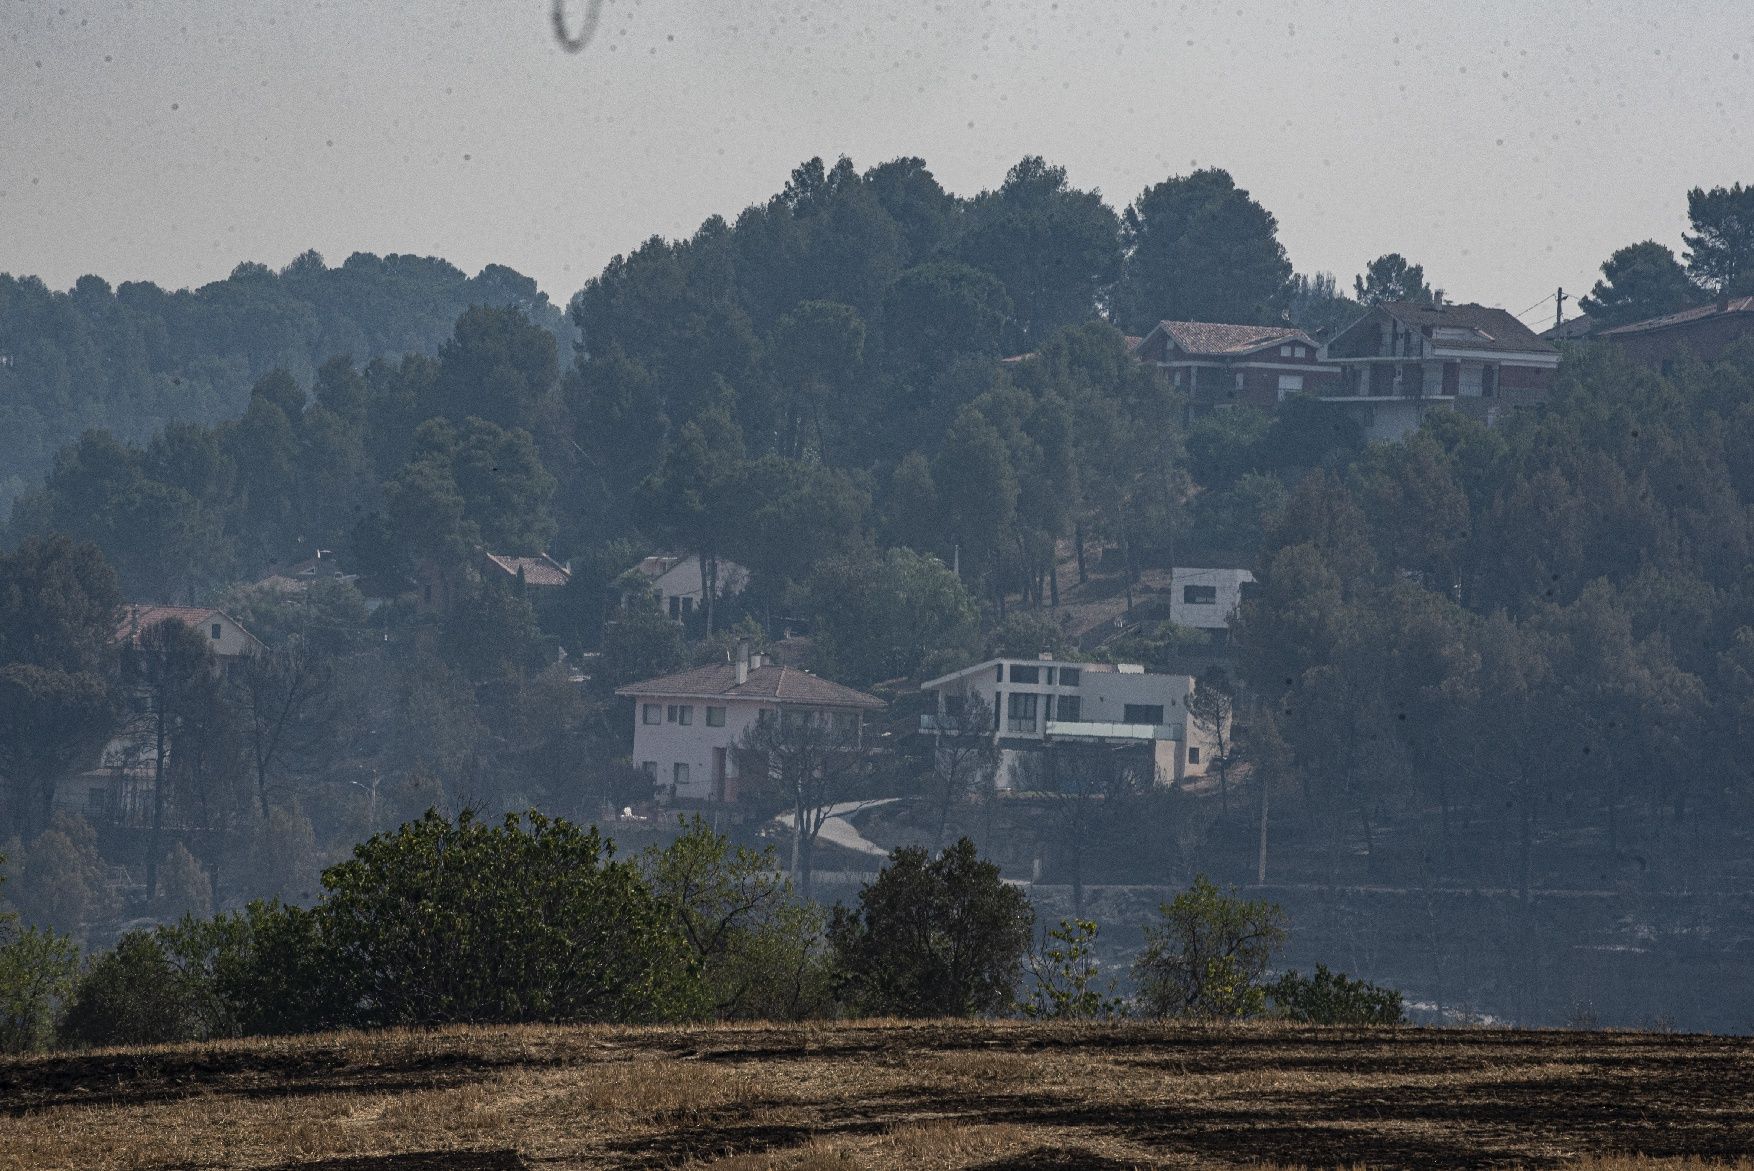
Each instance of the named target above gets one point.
<point>1705,332</point>
<point>1218,365</point>
<point>1400,361</point>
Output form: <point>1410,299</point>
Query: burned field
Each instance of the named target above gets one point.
<point>871,1095</point>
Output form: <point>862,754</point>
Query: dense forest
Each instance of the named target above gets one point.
<point>130,360</point>
<point>1513,656</point>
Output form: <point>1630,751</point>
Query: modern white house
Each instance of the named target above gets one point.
<point>1042,701</point>
<point>686,726</point>
<point>1207,599</point>
<point>675,580</point>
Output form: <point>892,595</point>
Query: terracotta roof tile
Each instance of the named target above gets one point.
<point>541,570</point>
<point>1699,312</point>
<point>1492,329</point>
<point>137,617</point>
<point>1213,338</point>
<point>767,682</point>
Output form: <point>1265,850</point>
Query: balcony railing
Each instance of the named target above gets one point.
<point>949,725</point>
<point>1089,730</point>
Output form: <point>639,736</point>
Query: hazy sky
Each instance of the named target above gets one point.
<point>1509,145</point>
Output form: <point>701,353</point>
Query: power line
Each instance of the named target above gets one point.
<point>1537,305</point>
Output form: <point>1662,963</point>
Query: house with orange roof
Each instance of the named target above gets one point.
<point>686,726</point>
<point>228,639</point>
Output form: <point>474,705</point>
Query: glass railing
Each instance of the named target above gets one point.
<point>1092,730</point>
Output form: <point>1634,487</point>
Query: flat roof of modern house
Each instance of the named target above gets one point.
<point>1042,660</point>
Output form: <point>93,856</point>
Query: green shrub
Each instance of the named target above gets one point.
<point>938,936</point>
<point>756,948</point>
<point>530,920</point>
<point>1209,955</point>
<point>37,969</point>
<point>135,994</point>
<point>1067,976</point>
<point>1328,998</point>
<point>262,970</point>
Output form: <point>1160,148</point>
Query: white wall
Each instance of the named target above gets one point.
<point>682,580</point>
<point>1104,693</point>
<point>1227,583</point>
<point>669,743</point>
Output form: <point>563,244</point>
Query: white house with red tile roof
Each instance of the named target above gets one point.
<point>686,726</point>
<point>229,640</point>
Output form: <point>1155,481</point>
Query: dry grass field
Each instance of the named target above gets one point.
<point>850,1097</point>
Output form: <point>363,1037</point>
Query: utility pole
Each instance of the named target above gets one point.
<point>1559,300</point>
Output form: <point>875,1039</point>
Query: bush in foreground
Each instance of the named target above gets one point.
<point>37,970</point>
<point>1209,955</point>
<point>530,920</point>
<point>755,947</point>
<point>1329,998</point>
<point>940,936</point>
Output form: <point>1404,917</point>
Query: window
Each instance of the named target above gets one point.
<point>675,606</point>
<point>1071,676</point>
<point>1020,710</point>
<point>650,768</point>
<point>1193,755</point>
<point>216,632</point>
<point>1199,595</point>
<point>1239,379</point>
<point>1143,713</point>
<point>715,717</point>
<point>680,713</point>
<point>999,673</point>
<point>651,713</point>
<point>998,707</point>
<point>1047,676</point>
<point>1070,708</point>
<point>1290,384</point>
<point>1285,351</point>
<point>1026,674</point>
<point>678,774</point>
<point>687,606</point>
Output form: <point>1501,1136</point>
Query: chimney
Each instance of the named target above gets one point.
<point>742,661</point>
